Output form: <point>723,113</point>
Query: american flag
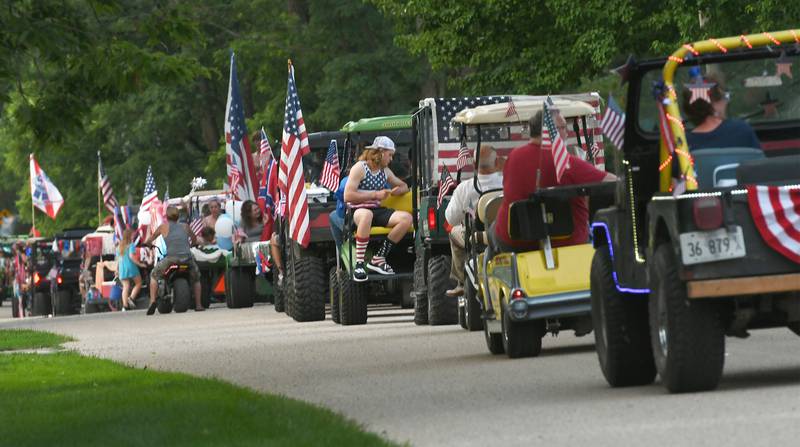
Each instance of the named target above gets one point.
<point>264,149</point>
<point>512,109</point>
<point>330,170</point>
<point>294,144</point>
<point>464,156</point>
<point>235,178</point>
<point>446,183</point>
<point>552,141</point>
<point>150,191</point>
<point>122,220</point>
<point>196,226</point>
<point>237,145</point>
<point>613,123</point>
<point>109,201</point>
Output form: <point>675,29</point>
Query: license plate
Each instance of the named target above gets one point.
<point>698,247</point>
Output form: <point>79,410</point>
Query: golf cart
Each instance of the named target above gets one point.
<point>688,254</point>
<point>349,299</point>
<point>518,297</point>
<point>65,288</point>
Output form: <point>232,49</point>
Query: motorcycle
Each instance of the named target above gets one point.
<point>174,289</point>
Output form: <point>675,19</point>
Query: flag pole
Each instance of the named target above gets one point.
<point>99,198</point>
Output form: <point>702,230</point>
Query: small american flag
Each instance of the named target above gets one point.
<point>265,150</point>
<point>552,140</point>
<point>464,156</point>
<point>150,191</point>
<point>594,151</point>
<point>613,123</point>
<point>446,183</point>
<point>330,170</point>
<point>236,179</point>
<point>197,226</point>
<point>109,201</point>
<point>511,110</point>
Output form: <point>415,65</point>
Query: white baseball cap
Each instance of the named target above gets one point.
<point>382,142</point>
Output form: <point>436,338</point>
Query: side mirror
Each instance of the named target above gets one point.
<point>527,222</point>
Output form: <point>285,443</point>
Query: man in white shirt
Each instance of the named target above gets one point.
<point>464,200</point>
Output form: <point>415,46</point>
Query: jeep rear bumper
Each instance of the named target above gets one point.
<point>714,288</point>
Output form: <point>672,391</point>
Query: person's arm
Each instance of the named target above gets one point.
<point>160,231</point>
<point>399,187</point>
<point>351,192</point>
<point>454,213</point>
<point>581,171</point>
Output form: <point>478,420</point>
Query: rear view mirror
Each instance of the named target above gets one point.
<point>527,222</point>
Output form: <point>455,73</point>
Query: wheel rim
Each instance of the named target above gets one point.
<point>661,318</point>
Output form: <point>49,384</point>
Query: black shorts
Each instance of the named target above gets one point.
<point>380,216</point>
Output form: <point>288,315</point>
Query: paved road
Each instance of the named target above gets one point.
<point>438,386</point>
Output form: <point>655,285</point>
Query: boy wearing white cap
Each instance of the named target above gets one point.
<point>366,187</point>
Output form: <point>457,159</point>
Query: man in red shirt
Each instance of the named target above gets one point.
<point>519,182</point>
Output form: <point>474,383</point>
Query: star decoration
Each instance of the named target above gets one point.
<point>783,66</point>
<point>624,70</point>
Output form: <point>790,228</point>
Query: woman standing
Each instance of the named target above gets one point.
<point>252,222</point>
<point>128,270</point>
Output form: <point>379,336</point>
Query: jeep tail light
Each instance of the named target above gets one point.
<point>36,278</point>
<point>432,219</point>
<point>707,213</point>
<point>59,279</point>
<point>517,294</point>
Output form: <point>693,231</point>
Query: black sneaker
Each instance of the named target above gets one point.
<point>152,309</point>
<point>381,267</point>
<point>359,273</point>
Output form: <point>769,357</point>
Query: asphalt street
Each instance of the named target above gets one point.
<point>439,386</point>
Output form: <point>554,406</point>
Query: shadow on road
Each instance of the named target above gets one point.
<point>565,350</point>
<point>761,378</point>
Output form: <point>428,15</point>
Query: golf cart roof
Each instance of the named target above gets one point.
<point>378,123</point>
<point>497,113</point>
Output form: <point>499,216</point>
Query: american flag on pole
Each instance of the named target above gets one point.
<point>150,191</point>
<point>264,149</point>
<point>551,140</point>
<point>197,226</point>
<point>235,178</point>
<point>294,144</point>
<point>330,170</point>
<point>237,145</point>
<point>464,156</point>
<point>109,201</point>
<point>446,183</point>
<point>613,123</point>
<point>511,110</point>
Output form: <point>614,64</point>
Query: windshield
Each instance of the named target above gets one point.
<point>758,90</point>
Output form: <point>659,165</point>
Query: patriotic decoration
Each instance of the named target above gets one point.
<point>552,141</point>
<point>237,146</point>
<point>268,188</point>
<point>464,156</point>
<point>700,89</point>
<point>264,149</point>
<point>150,191</point>
<point>776,212</point>
<point>294,144</point>
<point>512,109</point>
<point>678,186</point>
<point>446,184</point>
<point>122,220</point>
<point>595,151</point>
<point>196,226</point>
<point>109,201</point>
<point>44,193</point>
<point>330,170</point>
<point>613,123</point>
<point>783,66</point>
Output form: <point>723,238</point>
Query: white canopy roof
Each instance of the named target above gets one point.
<point>569,106</point>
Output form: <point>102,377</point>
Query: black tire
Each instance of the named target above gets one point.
<point>181,295</point>
<point>164,306</point>
<point>521,339</point>
<point>493,341</point>
<point>687,337</point>
<point>441,308</point>
<point>420,291</point>
<point>288,290</point>
<point>64,302</point>
<point>15,307</point>
<point>473,314</point>
<point>310,287</point>
<point>239,287</point>
<point>333,294</point>
<point>353,305</point>
<point>462,319</point>
<point>621,332</point>
<point>41,304</point>
<point>279,298</point>
<point>205,291</point>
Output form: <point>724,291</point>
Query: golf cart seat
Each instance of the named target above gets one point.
<point>717,167</point>
<point>397,203</point>
<point>773,169</point>
<point>488,206</point>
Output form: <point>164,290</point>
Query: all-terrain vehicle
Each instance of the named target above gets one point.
<point>349,299</point>
<point>65,289</point>
<point>676,271</point>
<point>174,288</point>
<point>524,295</point>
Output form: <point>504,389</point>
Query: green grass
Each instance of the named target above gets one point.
<point>67,399</point>
<point>12,339</point>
